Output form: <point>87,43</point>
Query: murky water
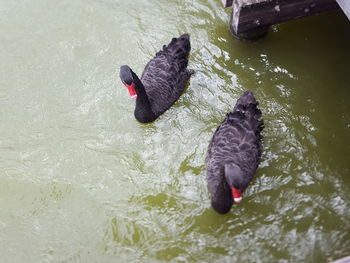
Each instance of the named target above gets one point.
<point>82,181</point>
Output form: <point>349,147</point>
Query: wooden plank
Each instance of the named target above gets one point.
<point>252,14</point>
<point>227,3</point>
<point>345,5</point>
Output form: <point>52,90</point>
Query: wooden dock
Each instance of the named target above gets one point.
<point>251,19</point>
<point>345,5</point>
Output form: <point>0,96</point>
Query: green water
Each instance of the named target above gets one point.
<point>82,181</point>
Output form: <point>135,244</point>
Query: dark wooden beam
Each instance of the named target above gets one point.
<point>257,15</point>
<point>345,5</point>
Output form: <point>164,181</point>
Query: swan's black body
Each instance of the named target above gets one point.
<point>234,152</point>
<point>163,79</point>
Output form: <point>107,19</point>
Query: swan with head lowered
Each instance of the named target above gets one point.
<point>162,82</point>
<point>234,153</point>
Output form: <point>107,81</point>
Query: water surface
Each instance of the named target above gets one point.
<point>82,181</point>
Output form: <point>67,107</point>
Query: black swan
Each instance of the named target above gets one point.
<point>162,82</point>
<point>234,153</point>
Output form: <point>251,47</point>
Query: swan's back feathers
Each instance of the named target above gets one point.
<point>166,75</point>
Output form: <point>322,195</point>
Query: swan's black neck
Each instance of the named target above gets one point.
<point>233,175</point>
<point>143,110</point>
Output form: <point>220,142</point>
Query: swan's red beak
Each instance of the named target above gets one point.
<point>236,194</point>
<point>131,89</point>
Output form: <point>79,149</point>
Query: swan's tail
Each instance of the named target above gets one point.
<point>178,49</point>
<point>247,108</point>
<point>246,99</point>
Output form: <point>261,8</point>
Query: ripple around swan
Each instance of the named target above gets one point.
<point>82,181</point>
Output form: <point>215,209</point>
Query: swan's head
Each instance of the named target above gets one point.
<point>126,75</point>
<point>234,178</point>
